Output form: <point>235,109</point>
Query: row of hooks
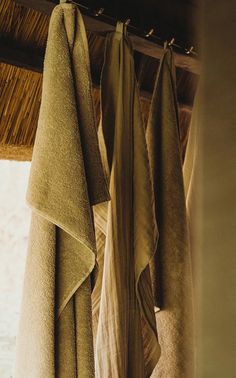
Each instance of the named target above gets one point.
<point>150,33</point>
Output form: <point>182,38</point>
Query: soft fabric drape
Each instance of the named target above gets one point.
<point>55,336</point>
<point>170,268</point>
<point>126,337</point>
<point>191,169</point>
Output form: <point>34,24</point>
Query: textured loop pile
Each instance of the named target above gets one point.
<point>171,267</point>
<point>55,336</point>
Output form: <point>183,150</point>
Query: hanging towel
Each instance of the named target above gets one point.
<point>191,169</point>
<point>126,337</point>
<point>55,335</point>
<point>191,149</point>
<point>170,269</point>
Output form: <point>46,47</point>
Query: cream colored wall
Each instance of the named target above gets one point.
<point>14,229</point>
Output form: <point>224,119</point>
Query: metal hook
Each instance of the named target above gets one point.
<point>127,22</point>
<point>151,31</point>
<point>188,51</point>
<point>98,12</point>
<point>172,41</point>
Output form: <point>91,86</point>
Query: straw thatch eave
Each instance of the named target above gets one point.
<point>22,44</point>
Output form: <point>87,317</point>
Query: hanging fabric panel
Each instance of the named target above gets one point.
<point>126,337</point>
<point>191,171</point>
<point>170,269</point>
<point>55,336</point>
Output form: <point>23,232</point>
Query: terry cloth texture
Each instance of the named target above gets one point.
<point>55,335</point>
<point>170,268</point>
<point>126,337</point>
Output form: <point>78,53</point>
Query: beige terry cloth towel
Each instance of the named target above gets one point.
<point>171,268</point>
<point>126,337</point>
<point>55,335</point>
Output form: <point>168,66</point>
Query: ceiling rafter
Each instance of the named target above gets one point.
<point>96,25</point>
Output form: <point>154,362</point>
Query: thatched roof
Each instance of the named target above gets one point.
<point>22,44</point>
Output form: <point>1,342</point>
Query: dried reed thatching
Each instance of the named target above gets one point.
<point>25,26</point>
<point>20,89</point>
<point>19,109</point>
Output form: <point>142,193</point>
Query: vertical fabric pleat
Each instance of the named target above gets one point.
<point>191,169</point>
<point>171,268</point>
<point>126,337</point>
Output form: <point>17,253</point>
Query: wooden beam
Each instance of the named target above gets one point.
<point>15,152</point>
<point>27,59</point>
<point>98,25</point>
<point>33,61</point>
<point>43,6</point>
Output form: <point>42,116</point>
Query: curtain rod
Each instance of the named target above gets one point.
<point>99,13</point>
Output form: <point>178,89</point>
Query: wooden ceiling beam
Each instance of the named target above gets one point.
<point>43,6</point>
<point>15,152</point>
<point>16,56</point>
<point>97,25</point>
<point>33,61</point>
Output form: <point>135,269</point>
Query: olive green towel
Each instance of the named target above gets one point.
<point>171,272</point>
<point>126,337</point>
<point>55,334</point>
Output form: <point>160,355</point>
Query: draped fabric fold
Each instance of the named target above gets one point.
<point>66,179</point>
<point>171,268</point>
<point>191,169</point>
<point>123,307</point>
